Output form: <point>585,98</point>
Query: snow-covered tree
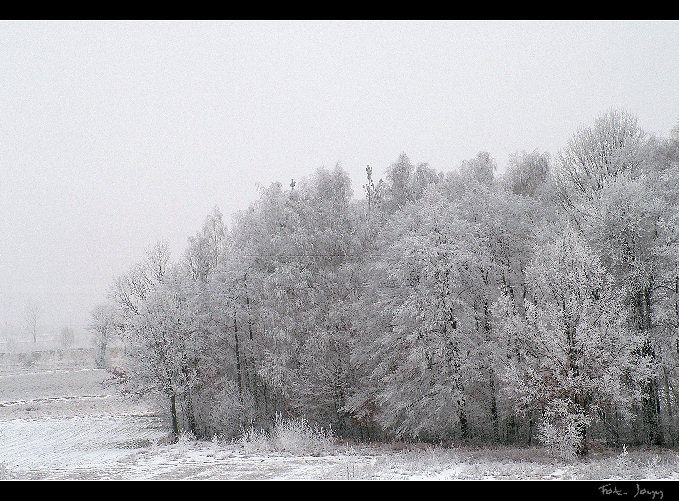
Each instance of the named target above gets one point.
<point>32,320</point>
<point>527,172</point>
<point>103,327</point>
<point>571,354</point>
<point>423,337</point>
<point>481,168</point>
<point>613,145</point>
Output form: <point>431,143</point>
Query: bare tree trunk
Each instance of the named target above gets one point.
<point>239,378</point>
<point>189,414</point>
<point>670,416</point>
<point>651,398</point>
<point>173,411</point>
<point>651,412</point>
<point>582,449</point>
<point>464,426</point>
<point>493,411</point>
<point>251,359</point>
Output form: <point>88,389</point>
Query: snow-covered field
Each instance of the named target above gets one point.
<point>73,423</point>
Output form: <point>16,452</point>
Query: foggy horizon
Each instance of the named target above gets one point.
<point>118,134</point>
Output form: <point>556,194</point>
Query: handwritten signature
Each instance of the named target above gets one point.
<point>613,490</point>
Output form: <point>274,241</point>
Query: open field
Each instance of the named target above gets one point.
<point>71,423</point>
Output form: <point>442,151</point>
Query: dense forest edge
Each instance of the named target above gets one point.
<point>462,307</point>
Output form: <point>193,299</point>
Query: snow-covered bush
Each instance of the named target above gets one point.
<point>293,436</point>
<point>4,472</point>
<point>255,441</point>
<point>562,431</point>
<point>298,436</point>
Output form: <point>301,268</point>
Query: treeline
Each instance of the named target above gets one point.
<point>539,306</point>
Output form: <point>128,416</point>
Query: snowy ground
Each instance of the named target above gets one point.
<point>71,423</point>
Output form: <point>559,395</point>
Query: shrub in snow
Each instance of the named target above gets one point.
<point>294,436</point>
<point>562,431</point>
<point>298,436</point>
<point>4,472</point>
<point>255,441</point>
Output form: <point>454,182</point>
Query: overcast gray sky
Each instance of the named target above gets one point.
<point>114,135</point>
